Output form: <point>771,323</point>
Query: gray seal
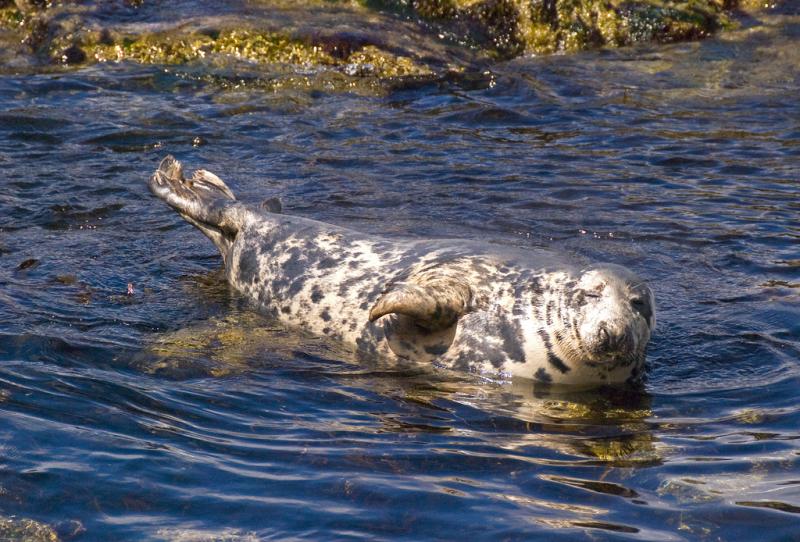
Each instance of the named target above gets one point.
<point>480,307</point>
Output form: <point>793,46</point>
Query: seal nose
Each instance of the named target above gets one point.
<point>608,340</point>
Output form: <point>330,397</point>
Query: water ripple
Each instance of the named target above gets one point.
<point>174,412</point>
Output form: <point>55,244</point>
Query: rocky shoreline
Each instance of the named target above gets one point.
<point>339,45</point>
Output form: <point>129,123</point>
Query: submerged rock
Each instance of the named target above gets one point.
<point>27,530</point>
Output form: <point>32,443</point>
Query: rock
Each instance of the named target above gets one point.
<point>30,5</point>
<point>365,46</point>
<point>273,45</point>
<point>72,55</point>
<point>512,27</point>
<point>26,530</point>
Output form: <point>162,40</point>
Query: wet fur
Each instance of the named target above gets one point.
<point>528,312</point>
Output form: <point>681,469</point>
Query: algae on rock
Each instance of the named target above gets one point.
<point>26,530</point>
<point>252,46</point>
<point>275,48</point>
<point>342,45</point>
<point>513,27</point>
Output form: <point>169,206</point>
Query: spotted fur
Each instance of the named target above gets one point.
<point>518,312</point>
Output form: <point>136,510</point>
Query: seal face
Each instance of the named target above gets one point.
<point>458,304</point>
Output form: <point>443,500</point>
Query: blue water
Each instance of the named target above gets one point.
<point>178,414</point>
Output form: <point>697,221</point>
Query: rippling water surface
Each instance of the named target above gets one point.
<point>178,414</point>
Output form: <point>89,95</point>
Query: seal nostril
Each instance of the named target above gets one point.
<point>605,338</point>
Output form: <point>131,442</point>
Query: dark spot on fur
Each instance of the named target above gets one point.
<point>248,265</point>
<point>552,359</point>
<point>557,362</point>
<point>286,309</point>
<point>542,375</point>
<point>366,344</point>
<point>461,362</point>
<point>327,263</point>
<point>536,286</point>
<point>316,294</point>
<point>364,305</point>
<point>294,270</point>
<point>497,358</point>
<point>296,286</point>
<point>350,284</point>
<point>549,313</point>
<point>408,347</point>
<point>326,330</point>
<point>511,332</point>
<point>325,315</point>
<point>436,350</point>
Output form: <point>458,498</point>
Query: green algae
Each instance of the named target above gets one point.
<point>174,48</point>
<point>26,530</point>
<point>512,27</point>
<point>310,59</point>
<point>11,17</point>
<point>429,45</point>
<point>251,46</point>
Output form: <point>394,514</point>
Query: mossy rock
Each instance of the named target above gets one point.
<point>512,27</point>
<point>280,42</point>
<point>26,530</point>
<point>253,46</point>
<point>262,52</point>
<point>10,17</point>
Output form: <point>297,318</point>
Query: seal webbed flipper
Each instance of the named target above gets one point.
<point>170,168</point>
<point>207,181</point>
<point>436,305</point>
<point>203,199</point>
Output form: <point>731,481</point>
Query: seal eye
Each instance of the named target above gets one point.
<point>596,292</point>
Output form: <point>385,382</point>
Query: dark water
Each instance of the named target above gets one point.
<point>177,414</point>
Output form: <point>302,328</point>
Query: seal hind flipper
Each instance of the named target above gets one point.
<point>203,199</point>
<point>436,305</point>
<point>203,178</point>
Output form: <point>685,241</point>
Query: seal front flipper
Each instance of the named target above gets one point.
<point>435,305</point>
<point>203,199</point>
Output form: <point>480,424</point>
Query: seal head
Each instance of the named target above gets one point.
<point>611,316</point>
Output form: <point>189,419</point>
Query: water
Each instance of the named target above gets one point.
<point>178,414</point>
